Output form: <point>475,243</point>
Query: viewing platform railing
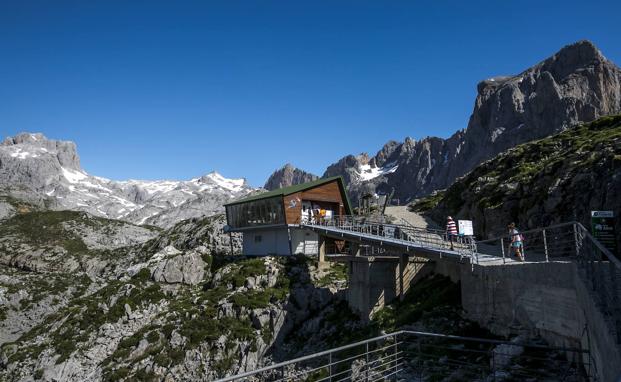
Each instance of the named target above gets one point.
<point>599,268</point>
<point>420,356</point>
<point>400,234</point>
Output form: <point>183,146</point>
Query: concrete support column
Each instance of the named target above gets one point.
<point>321,247</point>
<point>403,267</point>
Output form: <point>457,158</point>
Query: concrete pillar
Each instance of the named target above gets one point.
<point>321,261</point>
<point>403,267</point>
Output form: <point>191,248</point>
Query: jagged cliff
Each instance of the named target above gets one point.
<point>288,175</point>
<point>575,85</point>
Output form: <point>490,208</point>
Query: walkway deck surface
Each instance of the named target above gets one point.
<point>416,248</point>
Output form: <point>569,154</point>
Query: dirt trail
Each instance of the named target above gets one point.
<point>413,218</point>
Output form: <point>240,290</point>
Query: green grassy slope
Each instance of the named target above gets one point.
<point>559,178</point>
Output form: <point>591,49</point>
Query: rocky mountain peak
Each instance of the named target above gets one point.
<point>215,178</point>
<point>572,57</point>
<point>288,175</point>
<point>575,85</point>
<point>47,170</point>
<point>35,145</point>
<point>24,138</point>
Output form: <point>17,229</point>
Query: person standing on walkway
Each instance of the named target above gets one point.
<point>451,230</point>
<point>516,241</point>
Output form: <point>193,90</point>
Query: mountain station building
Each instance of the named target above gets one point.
<point>270,221</point>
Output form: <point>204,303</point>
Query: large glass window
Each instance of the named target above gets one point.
<point>258,212</point>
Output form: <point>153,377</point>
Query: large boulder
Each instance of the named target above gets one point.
<point>185,268</point>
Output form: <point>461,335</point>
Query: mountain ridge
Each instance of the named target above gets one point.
<point>575,85</point>
<point>50,170</point>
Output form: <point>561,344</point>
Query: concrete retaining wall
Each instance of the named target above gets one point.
<point>536,299</point>
<point>376,281</point>
<point>546,299</point>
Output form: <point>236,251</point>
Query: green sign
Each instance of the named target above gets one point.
<point>603,229</point>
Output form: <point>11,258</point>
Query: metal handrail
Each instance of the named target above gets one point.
<point>426,237</point>
<point>306,358</point>
<point>612,258</point>
<point>394,359</point>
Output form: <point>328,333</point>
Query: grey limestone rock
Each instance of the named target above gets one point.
<point>288,175</point>
<point>575,85</point>
<point>184,268</point>
<point>48,172</point>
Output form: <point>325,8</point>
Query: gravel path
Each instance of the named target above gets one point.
<point>413,218</point>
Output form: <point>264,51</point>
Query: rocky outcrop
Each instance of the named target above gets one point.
<point>554,180</point>
<point>67,241</point>
<point>288,175</point>
<point>48,173</point>
<point>576,85</point>
<point>127,328</point>
<point>207,232</point>
<point>188,268</point>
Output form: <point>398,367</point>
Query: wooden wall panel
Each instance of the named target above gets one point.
<point>293,208</point>
<point>327,193</point>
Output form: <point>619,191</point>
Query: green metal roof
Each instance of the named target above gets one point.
<point>297,188</point>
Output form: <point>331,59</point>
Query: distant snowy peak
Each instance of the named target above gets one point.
<point>368,171</point>
<point>36,145</point>
<point>51,169</point>
<point>214,178</point>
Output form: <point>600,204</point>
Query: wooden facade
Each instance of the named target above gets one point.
<point>285,206</point>
<point>270,221</point>
<point>326,196</point>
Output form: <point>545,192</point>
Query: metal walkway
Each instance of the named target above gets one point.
<point>410,239</point>
<point>567,242</point>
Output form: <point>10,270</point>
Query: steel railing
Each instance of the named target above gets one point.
<point>412,355</point>
<point>404,234</point>
<point>598,267</point>
<point>556,242</point>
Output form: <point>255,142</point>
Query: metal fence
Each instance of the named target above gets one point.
<point>418,356</point>
<point>601,272</point>
<point>598,267</point>
<point>404,234</point>
<point>557,242</point>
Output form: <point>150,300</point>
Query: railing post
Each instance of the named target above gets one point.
<point>615,300</point>
<point>493,365</point>
<point>576,239</point>
<point>545,245</point>
<point>367,363</point>
<point>396,356</point>
<point>330,367</point>
<point>502,248</point>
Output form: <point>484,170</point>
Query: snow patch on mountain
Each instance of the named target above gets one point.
<point>367,172</point>
<point>51,170</point>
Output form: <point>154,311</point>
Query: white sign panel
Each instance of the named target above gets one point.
<point>465,227</point>
<point>602,214</point>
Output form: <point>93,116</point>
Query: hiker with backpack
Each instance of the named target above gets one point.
<point>517,241</point>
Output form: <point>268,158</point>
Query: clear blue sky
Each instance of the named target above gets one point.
<point>175,89</point>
